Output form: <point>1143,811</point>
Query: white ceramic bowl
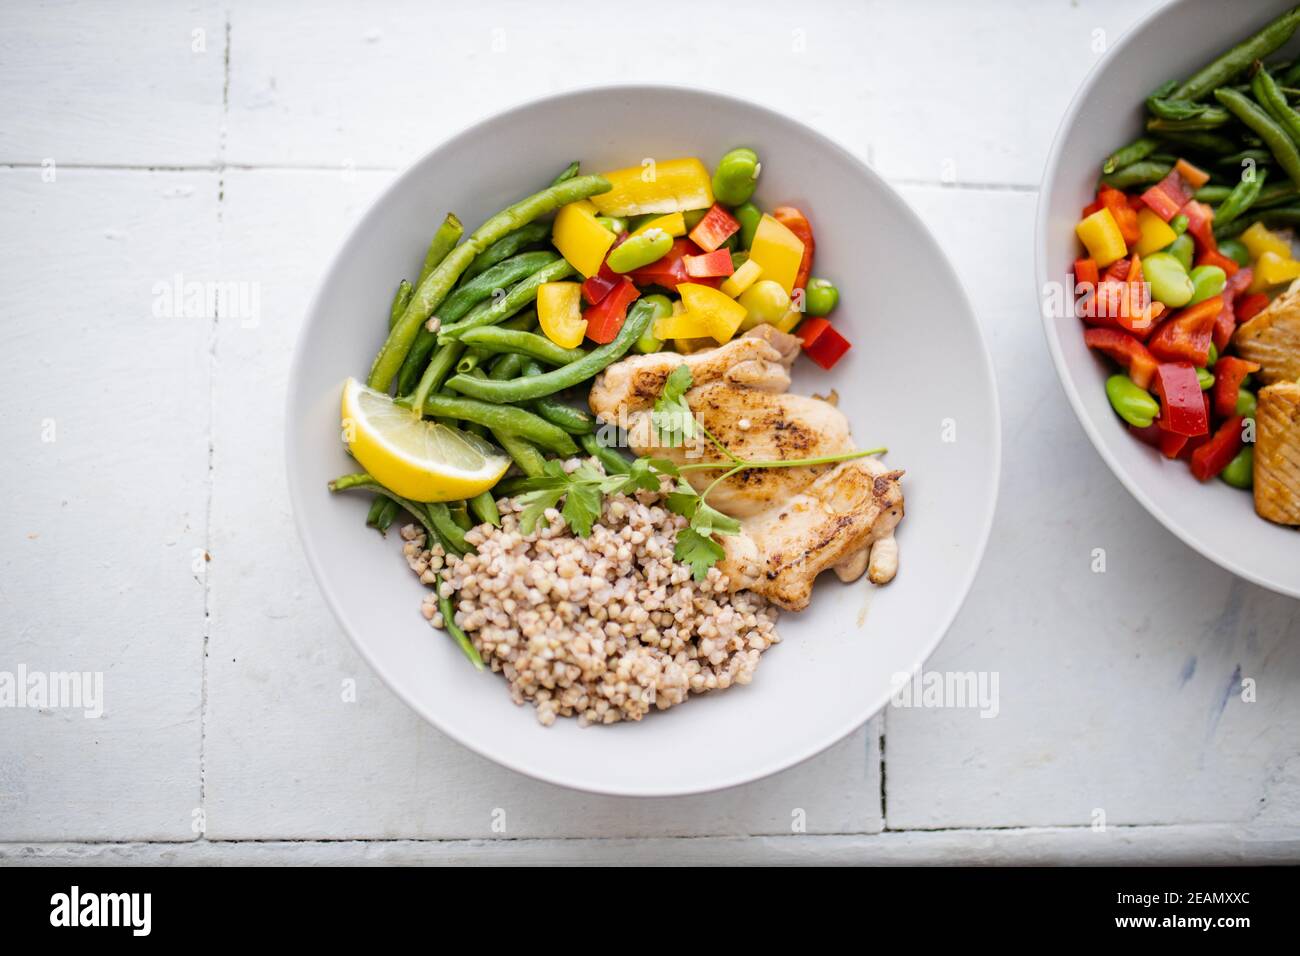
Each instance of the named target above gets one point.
<point>1218,521</point>
<point>917,367</point>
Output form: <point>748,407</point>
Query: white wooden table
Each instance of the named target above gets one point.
<point>236,142</point>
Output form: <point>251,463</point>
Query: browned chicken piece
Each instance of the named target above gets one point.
<point>1277,453</point>
<point>1272,338</point>
<point>796,522</point>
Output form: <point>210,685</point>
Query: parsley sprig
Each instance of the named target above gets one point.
<point>584,489</point>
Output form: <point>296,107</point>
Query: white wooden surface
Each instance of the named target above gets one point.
<point>246,160</point>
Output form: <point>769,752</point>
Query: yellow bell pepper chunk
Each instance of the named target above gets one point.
<point>674,224</point>
<point>742,278</point>
<point>1271,269</point>
<point>788,321</point>
<point>682,325</point>
<point>1259,240</point>
<point>1156,233</point>
<point>580,238</point>
<point>675,185</point>
<point>559,312</point>
<point>778,252</point>
<point>1100,233</point>
<point>720,314</point>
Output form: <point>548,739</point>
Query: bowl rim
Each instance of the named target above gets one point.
<point>1051,330</point>
<point>538,770</point>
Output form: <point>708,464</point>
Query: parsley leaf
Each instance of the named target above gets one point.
<point>672,417</point>
<point>697,550</point>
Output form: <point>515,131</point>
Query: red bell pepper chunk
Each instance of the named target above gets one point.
<point>1085,273</point>
<point>1149,435</point>
<point>1225,323</point>
<point>1183,410</point>
<point>1186,335</point>
<point>606,317</point>
<point>717,263</point>
<point>1125,217</point>
<point>1229,372</point>
<point>824,345</point>
<point>1089,209</point>
<point>1118,270</point>
<point>1193,175</point>
<point>669,269</point>
<point>1213,456</point>
<point>1238,282</point>
<point>1200,223</point>
<point>797,222</point>
<point>1251,305</point>
<point>1127,351</point>
<point>1212,257</point>
<point>1170,445</point>
<point>715,228</point>
<point>1168,196</point>
<point>598,286</point>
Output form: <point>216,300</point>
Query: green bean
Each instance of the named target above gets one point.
<point>400,298</point>
<point>1290,75</point>
<point>1241,198</point>
<point>451,627</point>
<point>1132,403</point>
<point>735,176</point>
<point>1274,135</point>
<point>1211,118</point>
<point>1183,249</point>
<point>748,215</point>
<point>444,360</point>
<point>496,340</point>
<point>1240,472</point>
<point>524,454</point>
<point>1237,60</point>
<point>459,303</point>
<point>1274,102</point>
<point>367,482</point>
<point>501,419</point>
<point>575,421</point>
<point>445,525</point>
<point>614,224</point>
<point>612,461</point>
<point>1213,356</point>
<point>443,241</point>
<point>433,290</point>
<point>471,360</point>
<point>1134,152</point>
<point>1273,217</point>
<point>519,295</point>
<point>381,514</point>
<point>484,506</point>
<point>511,485</point>
<point>523,389</point>
<point>1168,109</point>
<point>510,365</point>
<point>1210,143</point>
<point>460,515</point>
<point>1137,174</point>
<point>1276,194</point>
<point>567,173</point>
<point>505,247</point>
<point>1235,250</point>
<point>1213,194</point>
<point>1260,157</point>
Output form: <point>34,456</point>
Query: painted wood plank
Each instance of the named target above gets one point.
<point>285,756</point>
<point>1120,691</point>
<point>104,427</point>
<point>113,84</point>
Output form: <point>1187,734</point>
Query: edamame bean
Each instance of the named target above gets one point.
<point>748,215</point>
<point>1179,223</point>
<point>1235,250</point>
<point>1207,282</point>
<point>1206,378</point>
<point>735,177</point>
<point>1246,403</point>
<point>638,251</point>
<point>1133,404</point>
<point>1240,472</point>
<point>821,297</point>
<point>647,343</point>
<point>692,217</point>
<point>613,223</point>
<point>1168,278</point>
<point>765,301</point>
<point>1214,356</point>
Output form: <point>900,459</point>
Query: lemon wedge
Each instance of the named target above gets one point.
<point>417,459</point>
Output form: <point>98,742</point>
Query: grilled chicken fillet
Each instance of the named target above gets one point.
<point>1277,453</point>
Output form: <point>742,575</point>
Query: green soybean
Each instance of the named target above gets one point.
<point>821,297</point>
<point>692,217</point>
<point>637,251</point>
<point>1179,224</point>
<point>1133,404</point>
<point>736,176</point>
<point>1207,282</point>
<point>1240,472</point>
<point>748,215</point>
<point>1213,356</point>
<point>1206,379</point>
<point>647,344</point>
<point>1247,403</point>
<point>1235,250</point>
<point>1168,279</point>
<point>614,224</point>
